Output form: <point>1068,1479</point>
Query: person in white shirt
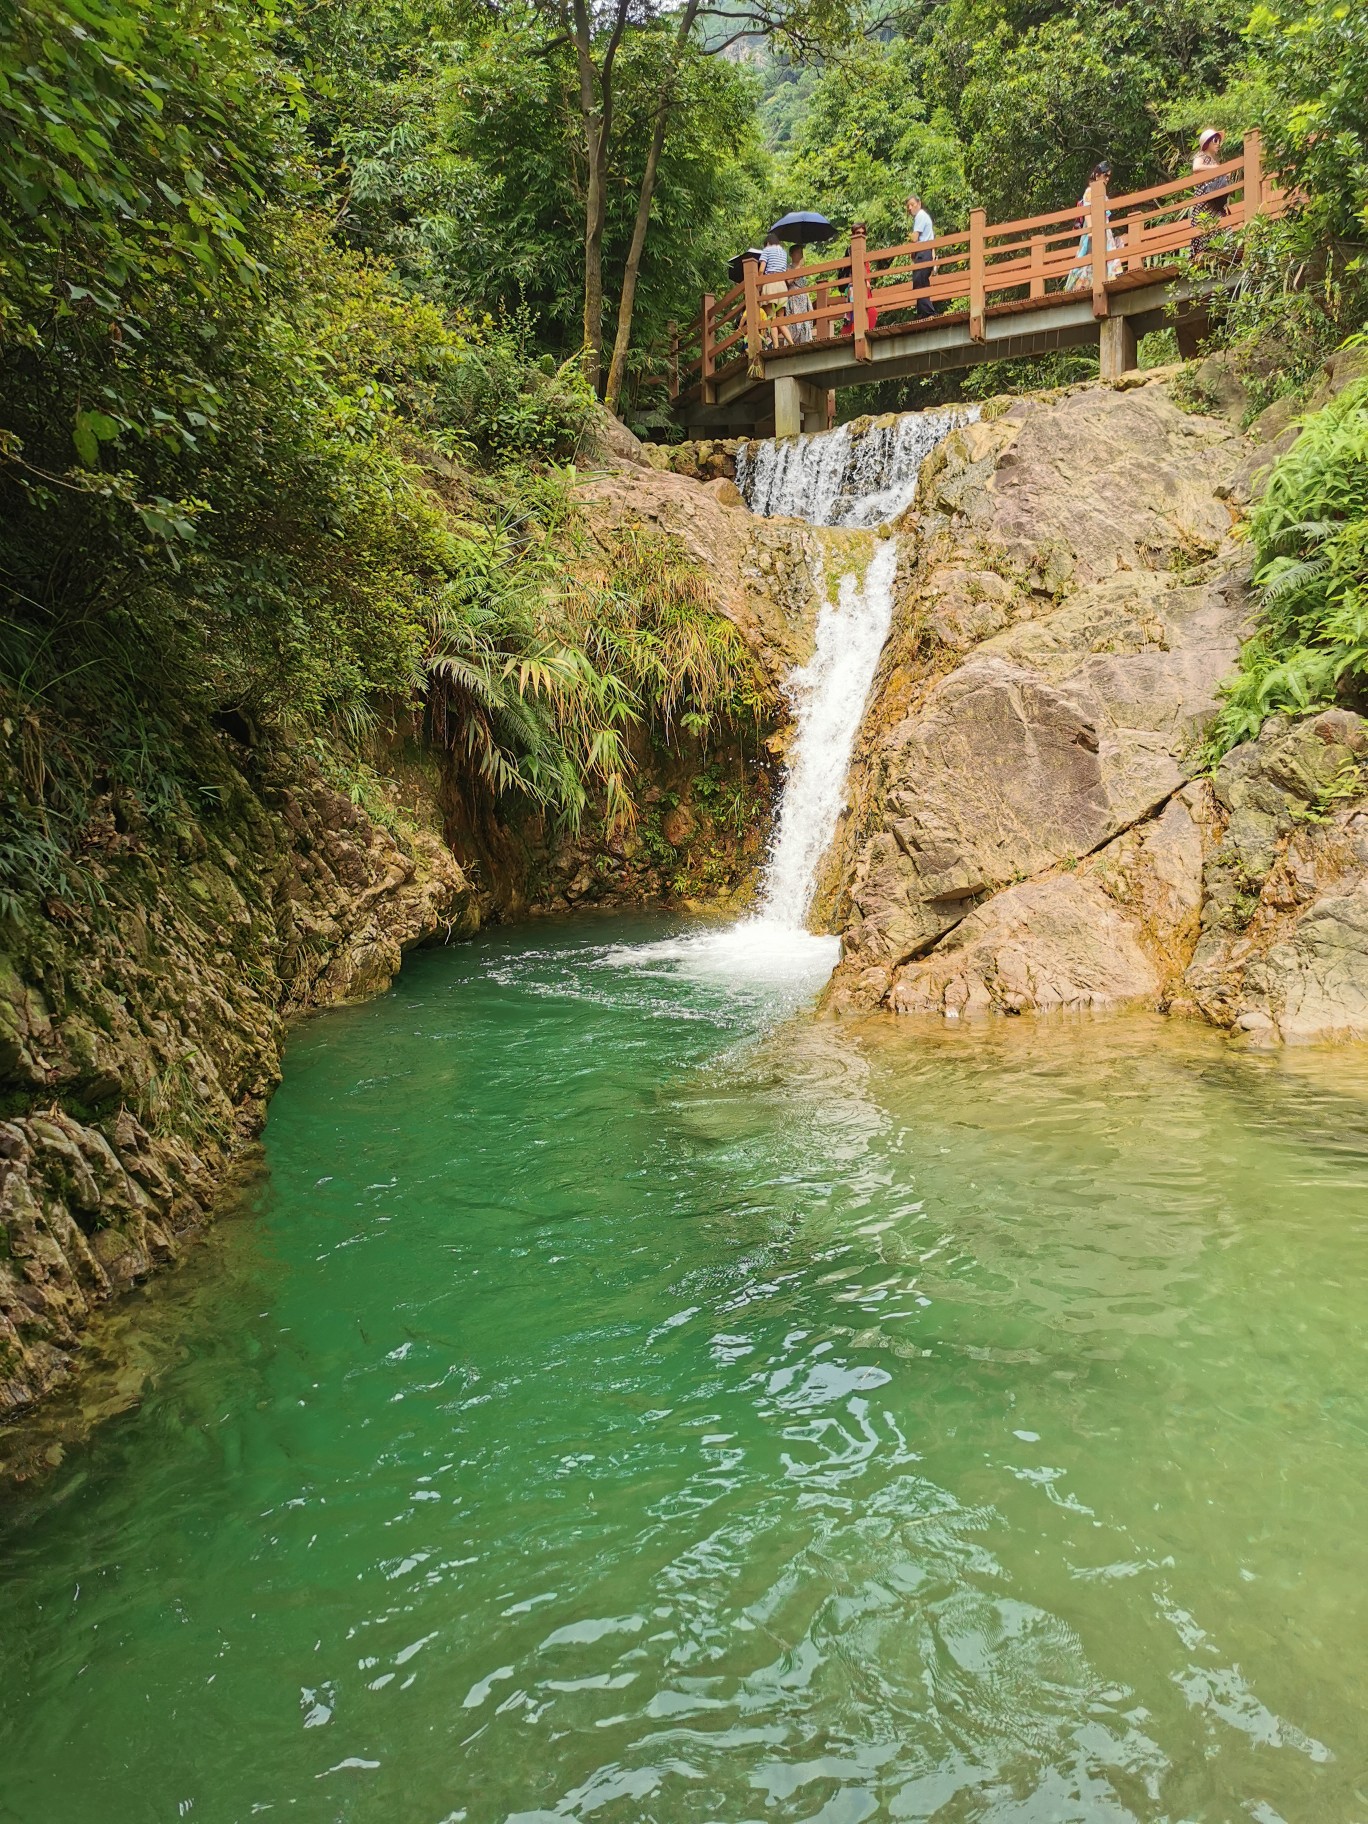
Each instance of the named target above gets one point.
<point>774,289</point>
<point>923,229</point>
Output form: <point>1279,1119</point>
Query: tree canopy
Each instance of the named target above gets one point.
<point>300,309</point>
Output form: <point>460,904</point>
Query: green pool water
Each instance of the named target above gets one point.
<point>626,1397</point>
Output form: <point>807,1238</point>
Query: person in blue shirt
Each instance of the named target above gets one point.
<point>923,229</point>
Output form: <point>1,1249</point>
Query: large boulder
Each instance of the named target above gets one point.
<point>1283,953</point>
<point>1022,831</point>
<point>1001,775</point>
<point>1050,738</point>
<point>1056,943</point>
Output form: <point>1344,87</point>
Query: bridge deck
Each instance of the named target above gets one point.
<point>1000,291</point>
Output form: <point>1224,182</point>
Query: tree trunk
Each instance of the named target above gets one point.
<point>593,270</point>
<point>596,111</point>
<point>617,372</point>
<point>595,199</point>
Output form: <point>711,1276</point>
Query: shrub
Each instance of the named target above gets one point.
<point>1310,533</point>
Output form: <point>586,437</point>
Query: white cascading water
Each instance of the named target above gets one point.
<point>834,478</point>
<point>829,695</point>
<point>845,477</point>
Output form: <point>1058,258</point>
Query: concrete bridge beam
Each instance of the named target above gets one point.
<point>800,406</point>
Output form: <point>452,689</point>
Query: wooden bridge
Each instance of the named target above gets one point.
<point>1001,291</point>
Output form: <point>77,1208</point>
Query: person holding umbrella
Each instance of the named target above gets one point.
<point>802,226</point>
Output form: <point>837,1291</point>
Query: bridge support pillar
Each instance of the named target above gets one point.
<point>816,402</point>
<point>788,406</point>
<point>1117,350</point>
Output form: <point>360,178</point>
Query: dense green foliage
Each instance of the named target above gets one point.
<point>247,472</point>
<point>998,104</point>
<point>1304,79</point>
<point>1039,94</point>
<point>446,139</point>
<point>1310,535</point>
<point>507,117</point>
<point>864,141</point>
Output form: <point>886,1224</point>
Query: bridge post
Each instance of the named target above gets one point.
<point>788,406</point>
<point>825,328</point>
<point>1097,236</point>
<point>755,342</point>
<point>859,292</point>
<point>1117,348</point>
<point>707,360</point>
<point>1037,266</point>
<point>978,219</point>
<point>1253,174</point>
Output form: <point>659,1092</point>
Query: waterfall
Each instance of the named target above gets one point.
<point>847,478</point>
<point>828,695</point>
<point>851,478</point>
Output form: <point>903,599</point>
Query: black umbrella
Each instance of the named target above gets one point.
<point>803,225</point>
<point>736,266</point>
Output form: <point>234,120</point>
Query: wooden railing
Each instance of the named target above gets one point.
<point>986,269</point>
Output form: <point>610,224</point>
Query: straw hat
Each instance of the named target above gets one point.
<point>1208,133</point>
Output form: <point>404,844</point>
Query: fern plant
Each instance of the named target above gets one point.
<point>512,690</point>
<point>537,670</point>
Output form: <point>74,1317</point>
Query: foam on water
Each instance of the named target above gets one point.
<point>761,950</point>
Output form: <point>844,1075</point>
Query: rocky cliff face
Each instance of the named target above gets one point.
<point>142,1018</point>
<point>1028,830</point>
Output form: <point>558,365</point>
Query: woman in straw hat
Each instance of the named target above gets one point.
<point>1211,198</point>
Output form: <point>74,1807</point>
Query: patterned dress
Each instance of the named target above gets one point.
<point>1209,205</point>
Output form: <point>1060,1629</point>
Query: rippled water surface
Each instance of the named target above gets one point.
<point>631,1399</point>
